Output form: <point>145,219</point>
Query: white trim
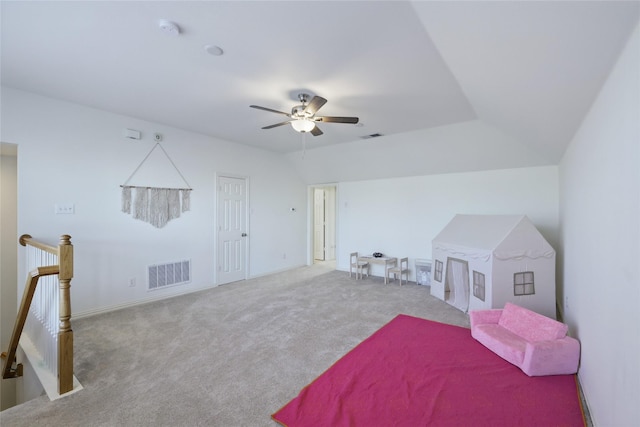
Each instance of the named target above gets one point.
<point>47,378</point>
<point>278,271</point>
<point>117,307</point>
<point>310,213</point>
<point>90,313</point>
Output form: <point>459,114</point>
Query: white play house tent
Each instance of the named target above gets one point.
<point>484,261</point>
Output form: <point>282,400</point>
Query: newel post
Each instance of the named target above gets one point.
<point>65,334</point>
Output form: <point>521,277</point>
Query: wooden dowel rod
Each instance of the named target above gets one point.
<point>159,188</point>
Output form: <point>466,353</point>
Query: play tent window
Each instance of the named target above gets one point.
<point>478,285</point>
<point>437,274</point>
<point>523,283</point>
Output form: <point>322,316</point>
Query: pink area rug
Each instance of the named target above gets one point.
<point>416,372</point>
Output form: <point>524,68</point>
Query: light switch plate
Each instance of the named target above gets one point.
<point>64,208</point>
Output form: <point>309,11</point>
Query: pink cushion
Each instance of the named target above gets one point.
<point>479,317</point>
<point>559,357</point>
<point>502,342</point>
<point>530,325</point>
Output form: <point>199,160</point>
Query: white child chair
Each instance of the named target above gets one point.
<point>401,267</point>
<point>359,266</point>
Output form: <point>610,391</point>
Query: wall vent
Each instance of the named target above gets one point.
<point>170,274</point>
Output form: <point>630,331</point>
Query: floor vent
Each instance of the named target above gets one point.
<point>170,274</point>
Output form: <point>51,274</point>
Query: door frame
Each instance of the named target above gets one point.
<point>218,260</point>
<point>316,240</point>
<point>9,265</point>
<point>310,219</point>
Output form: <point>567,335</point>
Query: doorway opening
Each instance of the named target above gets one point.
<point>323,222</point>
<point>456,284</point>
<point>9,396</point>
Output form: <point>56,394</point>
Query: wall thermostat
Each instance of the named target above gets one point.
<point>132,134</point>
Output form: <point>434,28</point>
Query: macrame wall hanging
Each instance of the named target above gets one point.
<point>155,205</point>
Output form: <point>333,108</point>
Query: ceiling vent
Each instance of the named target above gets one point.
<point>373,135</point>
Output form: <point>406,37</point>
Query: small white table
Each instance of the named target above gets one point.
<point>383,260</point>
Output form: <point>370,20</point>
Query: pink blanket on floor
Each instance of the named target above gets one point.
<point>416,372</point>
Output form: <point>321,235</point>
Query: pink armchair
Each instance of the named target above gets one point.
<point>536,344</point>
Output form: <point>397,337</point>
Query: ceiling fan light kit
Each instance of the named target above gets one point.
<point>303,125</point>
<point>303,117</point>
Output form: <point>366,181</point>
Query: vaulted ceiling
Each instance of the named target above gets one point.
<point>529,69</point>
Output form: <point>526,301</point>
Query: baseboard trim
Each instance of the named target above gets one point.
<point>284,270</point>
<point>102,310</point>
<point>142,301</point>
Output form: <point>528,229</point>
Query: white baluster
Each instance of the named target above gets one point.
<point>42,325</point>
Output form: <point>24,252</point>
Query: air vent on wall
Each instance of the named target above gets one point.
<point>373,135</point>
<point>170,274</point>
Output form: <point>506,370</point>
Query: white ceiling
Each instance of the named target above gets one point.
<point>530,69</point>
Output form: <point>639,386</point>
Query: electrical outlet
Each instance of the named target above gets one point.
<point>566,302</point>
<point>132,282</point>
<point>64,208</point>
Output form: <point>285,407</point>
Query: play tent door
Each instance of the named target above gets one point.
<point>456,284</point>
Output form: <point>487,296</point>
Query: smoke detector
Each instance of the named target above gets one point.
<point>169,28</point>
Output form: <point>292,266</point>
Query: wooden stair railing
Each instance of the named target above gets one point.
<point>64,270</point>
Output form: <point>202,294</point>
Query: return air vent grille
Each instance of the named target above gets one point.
<point>170,274</point>
<point>373,135</point>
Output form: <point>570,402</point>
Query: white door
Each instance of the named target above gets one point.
<point>318,224</point>
<point>232,229</point>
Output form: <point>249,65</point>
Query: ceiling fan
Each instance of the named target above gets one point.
<point>303,117</point>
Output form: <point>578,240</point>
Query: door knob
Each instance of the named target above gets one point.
<point>244,234</point>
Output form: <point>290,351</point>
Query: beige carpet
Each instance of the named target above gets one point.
<point>229,356</point>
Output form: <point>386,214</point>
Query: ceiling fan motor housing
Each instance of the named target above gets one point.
<point>303,97</point>
<point>299,113</point>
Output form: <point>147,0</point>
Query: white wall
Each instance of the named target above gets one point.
<point>74,154</point>
<point>600,219</point>
<point>461,147</point>
<point>401,216</point>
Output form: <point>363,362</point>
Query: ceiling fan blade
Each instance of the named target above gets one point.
<point>316,131</point>
<point>314,105</point>
<point>326,119</point>
<point>269,109</point>
<point>277,124</point>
